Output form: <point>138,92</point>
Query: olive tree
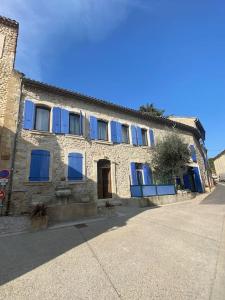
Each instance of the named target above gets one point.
<point>170,155</point>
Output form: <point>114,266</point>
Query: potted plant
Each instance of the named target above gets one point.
<point>39,217</point>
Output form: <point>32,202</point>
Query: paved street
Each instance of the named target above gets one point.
<point>171,252</point>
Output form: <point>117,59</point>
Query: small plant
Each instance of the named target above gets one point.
<point>40,210</point>
<point>108,204</point>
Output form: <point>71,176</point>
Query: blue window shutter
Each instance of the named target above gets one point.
<point>152,138</point>
<point>81,123</point>
<point>113,125</point>
<point>193,153</point>
<point>119,132</point>
<point>134,135</point>
<point>186,180</point>
<point>39,165</point>
<point>28,117</point>
<point>93,128</point>
<point>198,182</point>
<point>134,180</point>
<point>56,120</point>
<point>75,166</point>
<point>139,136</point>
<point>64,121</point>
<point>147,174</point>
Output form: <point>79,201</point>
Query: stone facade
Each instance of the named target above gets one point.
<point>15,90</point>
<point>219,163</point>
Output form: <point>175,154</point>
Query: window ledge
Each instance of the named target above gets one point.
<point>38,182</point>
<point>75,182</point>
<point>37,132</point>
<point>73,136</point>
<point>103,142</point>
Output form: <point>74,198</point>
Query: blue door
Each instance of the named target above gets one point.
<point>197,178</point>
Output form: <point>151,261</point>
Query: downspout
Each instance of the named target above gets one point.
<point>14,153</point>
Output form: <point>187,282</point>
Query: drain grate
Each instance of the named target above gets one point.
<point>81,225</point>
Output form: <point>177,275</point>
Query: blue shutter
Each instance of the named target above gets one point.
<point>81,123</point>
<point>134,135</point>
<point>113,125</point>
<point>93,128</point>
<point>56,120</point>
<point>75,166</point>
<point>152,138</point>
<point>193,153</point>
<point>64,121</point>
<point>28,117</point>
<point>134,180</point>
<point>147,174</point>
<point>198,183</point>
<point>119,132</point>
<point>186,180</point>
<point>39,165</point>
<point>139,136</point>
<point>116,132</point>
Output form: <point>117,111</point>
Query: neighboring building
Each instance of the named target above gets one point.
<point>219,163</point>
<point>60,142</point>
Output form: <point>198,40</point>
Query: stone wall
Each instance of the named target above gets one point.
<point>26,193</point>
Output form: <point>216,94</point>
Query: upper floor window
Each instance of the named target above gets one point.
<point>102,130</point>
<point>74,121</point>
<point>125,134</point>
<point>144,137</point>
<point>42,118</point>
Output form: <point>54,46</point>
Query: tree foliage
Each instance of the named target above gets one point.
<point>169,156</point>
<point>150,109</point>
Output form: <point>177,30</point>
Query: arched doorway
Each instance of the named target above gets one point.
<point>104,179</point>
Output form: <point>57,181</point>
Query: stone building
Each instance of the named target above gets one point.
<point>219,163</point>
<point>65,147</point>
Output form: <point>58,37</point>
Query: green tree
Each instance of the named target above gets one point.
<point>150,109</point>
<point>170,155</point>
<point>211,165</point>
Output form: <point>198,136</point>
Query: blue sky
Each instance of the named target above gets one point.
<point>169,52</point>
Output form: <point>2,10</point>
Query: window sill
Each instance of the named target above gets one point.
<point>73,136</point>
<point>37,132</point>
<point>71,182</point>
<point>38,182</point>
<point>103,142</point>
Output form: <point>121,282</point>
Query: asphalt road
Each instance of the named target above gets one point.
<point>172,252</point>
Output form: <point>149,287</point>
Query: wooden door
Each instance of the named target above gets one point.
<point>104,180</point>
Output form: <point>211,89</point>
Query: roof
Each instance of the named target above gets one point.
<point>9,22</point>
<point>110,105</point>
<point>218,155</point>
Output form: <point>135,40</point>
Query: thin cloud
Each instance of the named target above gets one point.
<point>86,20</point>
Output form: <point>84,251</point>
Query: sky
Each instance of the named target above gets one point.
<point>130,52</point>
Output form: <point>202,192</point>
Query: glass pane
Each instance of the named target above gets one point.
<point>125,134</point>
<point>102,130</point>
<point>144,137</point>
<point>42,119</point>
<point>74,124</point>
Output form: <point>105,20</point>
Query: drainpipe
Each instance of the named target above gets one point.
<point>14,152</point>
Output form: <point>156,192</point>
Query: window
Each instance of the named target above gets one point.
<point>42,116</point>
<point>144,137</point>
<point>102,130</point>
<point>75,166</point>
<point>75,124</point>
<point>139,174</point>
<point>39,165</point>
<point>125,134</point>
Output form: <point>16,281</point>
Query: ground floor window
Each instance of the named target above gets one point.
<point>75,166</point>
<point>39,165</point>
<point>141,174</point>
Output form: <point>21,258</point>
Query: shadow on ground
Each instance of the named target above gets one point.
<point>22,253</point>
